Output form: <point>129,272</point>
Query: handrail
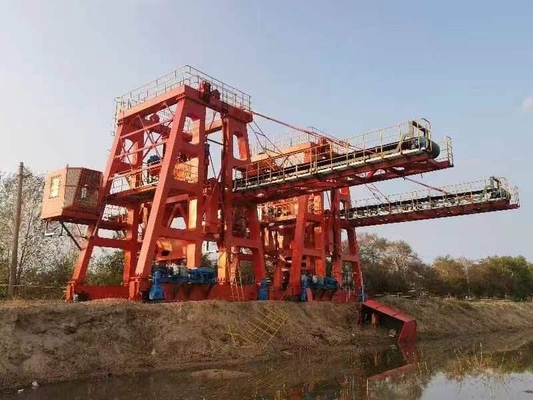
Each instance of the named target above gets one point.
<point>323,159</point>
<point>185,75</point>
<point>483,191</point>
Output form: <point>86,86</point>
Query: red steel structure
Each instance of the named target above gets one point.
<point>285,209</point>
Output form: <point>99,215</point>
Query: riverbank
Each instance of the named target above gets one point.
<point>442,318</point>
<point>56,341</point>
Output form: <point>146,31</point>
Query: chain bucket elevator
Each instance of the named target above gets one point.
<point>157,202</point>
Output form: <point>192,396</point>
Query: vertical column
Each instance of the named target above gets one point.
<point>349,253</point>
<point>155,220</point>
<point>298,244</point>
<point>196,204</point>
<point>234,129</point>
<point>82,263</point>
<point>319,233</point>
<point>336,236</point>
<point>132,237</point>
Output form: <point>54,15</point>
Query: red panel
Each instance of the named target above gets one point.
<point>223,292</point>
<point>408,331</point>
<point>99,292</point>
<point>387,310</point>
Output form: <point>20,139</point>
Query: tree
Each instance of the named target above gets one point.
<point>450,276</point>
<point>107,269</point>
<point>36,253</point>
<point>59,272</point>
<point>390,266</point>
<point>506,277</point>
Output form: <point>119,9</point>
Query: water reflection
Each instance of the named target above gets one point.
<point>480,368</point>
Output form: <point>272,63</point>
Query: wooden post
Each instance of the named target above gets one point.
<point>14,249</point>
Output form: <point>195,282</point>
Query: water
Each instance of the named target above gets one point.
<point>498,367</point>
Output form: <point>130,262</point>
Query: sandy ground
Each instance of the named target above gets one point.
<point>57,341</point>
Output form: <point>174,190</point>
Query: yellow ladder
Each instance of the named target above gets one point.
<point>265,326</point>
<point>237,291</point>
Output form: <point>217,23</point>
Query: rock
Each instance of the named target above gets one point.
<point>69,328</point>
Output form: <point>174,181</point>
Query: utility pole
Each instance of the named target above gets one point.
<point>14,249</point>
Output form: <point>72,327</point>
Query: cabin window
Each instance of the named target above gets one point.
<point>54,187</point>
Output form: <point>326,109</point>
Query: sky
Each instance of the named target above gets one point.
<point>345,67</point>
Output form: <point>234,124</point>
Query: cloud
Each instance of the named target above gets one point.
<point>527,104</point>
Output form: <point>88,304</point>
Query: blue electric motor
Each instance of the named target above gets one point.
<point>262,293</point>
<point>330,283</point>
<point>156,291</point>
<point>305,286</point>
<point>203,275</point>
<point>162,274</point>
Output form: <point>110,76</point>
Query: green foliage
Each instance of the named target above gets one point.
<point>59,273</point>
<point>390,266</point>
<point>503,277</point>
<point>449,276</point>
<point>393,266</point>
<point>107,269</point>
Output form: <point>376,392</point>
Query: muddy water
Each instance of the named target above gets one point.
<point>499,367</point>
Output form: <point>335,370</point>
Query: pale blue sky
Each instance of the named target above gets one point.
<point>343,66</point>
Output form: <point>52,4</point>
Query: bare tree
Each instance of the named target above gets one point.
<point>35,251</point>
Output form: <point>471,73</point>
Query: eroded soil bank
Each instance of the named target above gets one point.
<point>57,341</point>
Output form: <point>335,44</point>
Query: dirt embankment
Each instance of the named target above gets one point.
<point>57,341</point>
<point>440,318</point>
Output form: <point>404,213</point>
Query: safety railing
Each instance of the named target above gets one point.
<point>446,151</point>
<point>287,209</point>
<point>484,191</point>
<point>113,213</point>
<point>189,76</point>
<point>418,124</point>
<point>289,139</point>
<point>395,133</point>
<point>371,139</point>
<point>148,176</point>
<point>384,145</point>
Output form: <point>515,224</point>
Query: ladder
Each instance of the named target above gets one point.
<point>265,326</point>
<point>237,291</point>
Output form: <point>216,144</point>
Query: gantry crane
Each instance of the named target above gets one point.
<point>161,197</point>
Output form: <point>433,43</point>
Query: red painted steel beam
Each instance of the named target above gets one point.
<point>132,196</point>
